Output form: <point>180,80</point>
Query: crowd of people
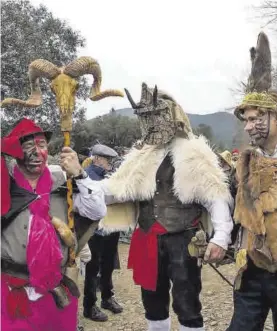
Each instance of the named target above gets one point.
<point>187,205</point>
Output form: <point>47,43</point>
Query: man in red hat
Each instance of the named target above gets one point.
<point>36,292</point>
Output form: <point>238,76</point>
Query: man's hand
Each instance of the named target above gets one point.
<point>214,253</point>
<point>70,162</point>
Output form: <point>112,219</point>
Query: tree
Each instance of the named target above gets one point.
<point>240,138</point>
<point>207,131</point>
<point>111,129</point>
<point>114,130</point>
<point>204,130</point>
<point>29,33</point>
<point>268,9</point>
<point>268,13</point>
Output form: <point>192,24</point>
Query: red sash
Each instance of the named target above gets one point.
<point>143,256</point>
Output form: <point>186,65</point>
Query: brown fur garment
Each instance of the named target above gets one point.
<point>256,200</point>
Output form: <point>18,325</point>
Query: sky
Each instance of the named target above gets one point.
<point>195,50</point>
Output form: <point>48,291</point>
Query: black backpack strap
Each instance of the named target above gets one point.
<point>20,200</point>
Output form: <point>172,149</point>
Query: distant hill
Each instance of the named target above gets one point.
<point>224,125</point>
<point>125,112</point>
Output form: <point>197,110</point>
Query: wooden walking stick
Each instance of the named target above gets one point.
<point>64,86</point>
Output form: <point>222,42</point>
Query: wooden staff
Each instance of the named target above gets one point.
<point>69,198</point>
<point>64,86</point>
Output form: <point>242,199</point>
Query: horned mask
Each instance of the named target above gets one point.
<point>63,85</point>
<point>160,117</point>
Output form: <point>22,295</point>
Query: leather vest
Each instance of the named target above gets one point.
<point>165,207</point>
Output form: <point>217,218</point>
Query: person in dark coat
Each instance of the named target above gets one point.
<point>103,248</point>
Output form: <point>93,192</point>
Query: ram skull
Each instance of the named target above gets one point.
<point>63,85</point>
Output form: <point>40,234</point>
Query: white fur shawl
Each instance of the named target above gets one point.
<point>197,178</point>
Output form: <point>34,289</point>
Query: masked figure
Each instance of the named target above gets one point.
<point>256,200</point>
<point>36,290</point>
<point>173,178</point>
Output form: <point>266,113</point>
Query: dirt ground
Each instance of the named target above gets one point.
<point>216,300</point>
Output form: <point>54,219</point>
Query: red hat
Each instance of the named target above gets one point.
<point>235,151</point>
<point>10,145</point>
<point>26,128</point>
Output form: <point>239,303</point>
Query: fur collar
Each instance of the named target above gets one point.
<point>198,176</point>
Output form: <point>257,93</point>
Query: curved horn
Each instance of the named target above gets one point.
<point>87,65</point>
<point>131,100</point>
<point>155,96</point>
<point>38,68</point>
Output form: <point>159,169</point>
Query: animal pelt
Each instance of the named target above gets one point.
<point>120,217</point>
<point>256,201</point>
<point>197,178</point>
<point>257,190</point>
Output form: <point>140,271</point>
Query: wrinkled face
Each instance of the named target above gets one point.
<point>103,162</point>
<point>260,127</point>
<point>35,154</point>
<point>65,87</point>
<point>155,118</point>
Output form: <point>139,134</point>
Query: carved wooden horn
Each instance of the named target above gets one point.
<point>131,100</point>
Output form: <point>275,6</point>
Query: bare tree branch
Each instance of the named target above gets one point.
<point>268,12</point>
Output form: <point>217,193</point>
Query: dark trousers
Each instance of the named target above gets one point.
<point>176,265</point>
<point>103,253</point>
<point>253,301</point>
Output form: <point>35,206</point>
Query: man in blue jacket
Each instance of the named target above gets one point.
<point>103,248</point>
